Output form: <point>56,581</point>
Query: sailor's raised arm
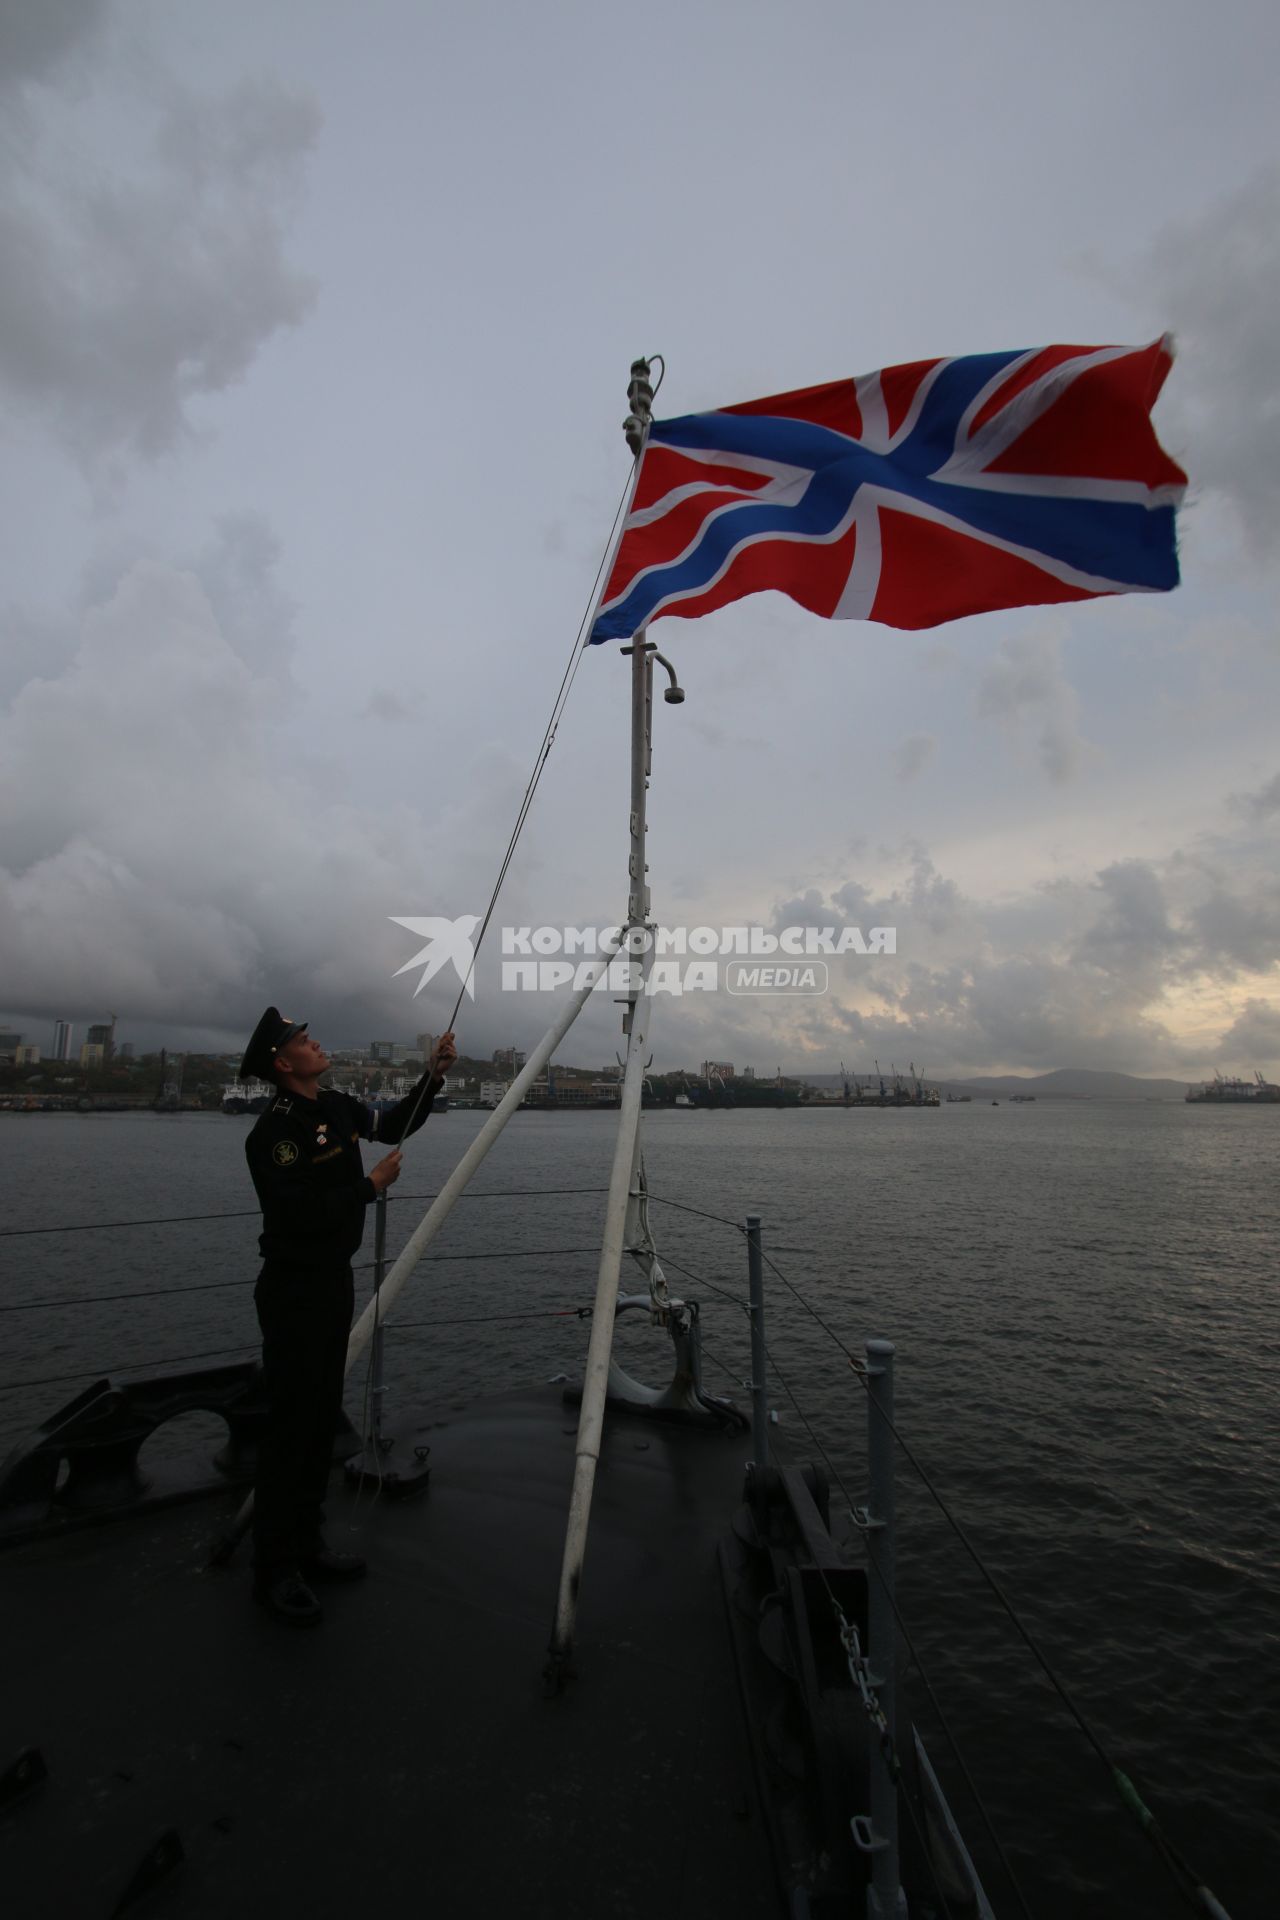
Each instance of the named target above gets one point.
<point>409,1114</point>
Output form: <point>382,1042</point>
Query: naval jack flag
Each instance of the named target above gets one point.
<point>910,496</point>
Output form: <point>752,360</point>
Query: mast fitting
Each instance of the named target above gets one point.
<point>640,400</point>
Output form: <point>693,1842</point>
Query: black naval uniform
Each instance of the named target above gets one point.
<point>304,1156</point>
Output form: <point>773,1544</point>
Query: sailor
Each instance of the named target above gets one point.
<point>304,1155</point>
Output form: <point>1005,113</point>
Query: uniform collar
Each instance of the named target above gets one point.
<point>285,1101</point>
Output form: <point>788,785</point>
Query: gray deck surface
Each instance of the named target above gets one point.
<point>402,1756</point>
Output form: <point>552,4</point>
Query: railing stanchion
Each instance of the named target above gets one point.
<point>373,1439</point>
<point>884,1895</point>
<point>759,1374</point>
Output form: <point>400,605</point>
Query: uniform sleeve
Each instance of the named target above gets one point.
<point>296,1198</point>
<point>362,1119</point>
<point>393,1125</point>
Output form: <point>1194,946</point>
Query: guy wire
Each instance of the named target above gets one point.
<point>540,759</point>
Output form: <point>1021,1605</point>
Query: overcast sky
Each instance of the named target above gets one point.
<point>315,326</point>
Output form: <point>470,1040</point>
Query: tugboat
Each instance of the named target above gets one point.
<point>246,1096</point>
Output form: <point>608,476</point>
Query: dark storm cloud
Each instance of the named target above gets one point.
<point>130,290</point>
<point>1217,275</point>
<point>31,645</point>
<point>180,845</point>
<point>1130,943</point>
<point>397,709</point>
<point>925,898</point>
<point>1025,689</point>
<point>37,35</point>
<point>1262,804</point>
<point>914,753</point>
<point>161,855</point>
<point>1254,1037</point>
<point>1239,931</point>
<point>237,570</point>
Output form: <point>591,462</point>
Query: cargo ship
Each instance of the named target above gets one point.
<point>1234,1092</point>
<point>895,1091</point>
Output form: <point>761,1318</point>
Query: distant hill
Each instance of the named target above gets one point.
<point>1065,1083</point>
<point>1076,1083</point>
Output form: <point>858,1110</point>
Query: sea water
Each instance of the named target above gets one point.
<point>1083,1296</point>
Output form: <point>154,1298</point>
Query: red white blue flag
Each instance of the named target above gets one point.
<point>911,496</point>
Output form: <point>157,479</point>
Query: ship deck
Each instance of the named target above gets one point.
<point>405,1750</point>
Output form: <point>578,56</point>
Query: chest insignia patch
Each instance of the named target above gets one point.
<point>284,1153</point>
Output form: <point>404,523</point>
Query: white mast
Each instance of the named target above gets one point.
<point>635,1022</point>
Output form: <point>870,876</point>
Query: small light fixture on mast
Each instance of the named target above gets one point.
<point>673,694</point>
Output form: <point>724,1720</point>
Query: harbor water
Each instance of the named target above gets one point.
<point>1083,1298</point>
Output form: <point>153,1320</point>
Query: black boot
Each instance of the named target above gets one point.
<point>287,1595</point>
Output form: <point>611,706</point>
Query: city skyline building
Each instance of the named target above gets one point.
<point>103,1035</point>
